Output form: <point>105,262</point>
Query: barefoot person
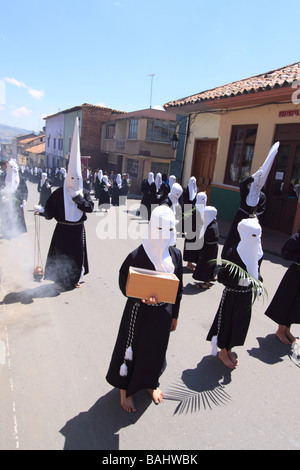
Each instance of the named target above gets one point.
<point>138,357</point>
<point>232,320</point>
<point>285,306</point>
<point>67,258</point>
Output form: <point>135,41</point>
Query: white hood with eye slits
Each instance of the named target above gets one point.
<point>159,236</point>
<point>73,184</point>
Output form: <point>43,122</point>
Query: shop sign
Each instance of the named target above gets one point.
<point>289,113</point>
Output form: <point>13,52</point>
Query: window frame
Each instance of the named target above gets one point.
<point>234,129</point>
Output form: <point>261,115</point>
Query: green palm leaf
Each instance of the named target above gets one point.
<point>236,271</point>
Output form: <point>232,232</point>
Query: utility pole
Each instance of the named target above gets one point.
<point>151,75</point>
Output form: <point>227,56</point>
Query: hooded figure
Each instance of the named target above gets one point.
<point>205,268</point>
<point>138,357</point>
<point>148,190</point>
<point>44,188</point>
<point>13,198</point>
<point>253,200</point>
<point>173,200</point>
<point>284,308</point>
<point>67,259</point>
<point>104,198</point>
<point>233,317</point>
<point>172,180</point>
<point>193,223</point>
<point>116,190</point>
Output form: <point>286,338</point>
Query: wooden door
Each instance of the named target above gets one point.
<point>205,152</point>
<point>283,188</point>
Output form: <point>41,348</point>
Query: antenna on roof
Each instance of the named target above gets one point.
<point>151,75</point>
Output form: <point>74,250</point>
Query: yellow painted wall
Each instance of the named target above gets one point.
<point>266,117</point>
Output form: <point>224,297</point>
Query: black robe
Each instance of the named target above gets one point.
<point>244,212</point>
<point>116,193</point>
<point>151,331</point>
<point>104,198</point>
<point>148,198</point>
<point>11,213</point>
<point>191,225</point>
<point>234,312</point>
<point>45,192</point>
<point>205,271</point>
<point>284,308</point>
<point>68,252</point>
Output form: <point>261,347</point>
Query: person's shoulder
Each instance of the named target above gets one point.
<point>176,252</point>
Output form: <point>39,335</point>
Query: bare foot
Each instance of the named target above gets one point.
<point>282,337</point>
<point>77,285</point>
<point>190,267</point>
<point>156,395</point>
<point>127,403</point>
<point>223,356</point>
<point>233,359</point>
<point>289,335</point>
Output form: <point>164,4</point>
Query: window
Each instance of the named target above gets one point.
<point>133,129</point>
<point>240,155</point>
<point>160,131</point>
<point>54,142</point>
<point>132,167</point>
<point>157,167</point>
<point>110,131</point>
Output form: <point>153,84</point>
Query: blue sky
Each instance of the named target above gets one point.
<point>59,54</point>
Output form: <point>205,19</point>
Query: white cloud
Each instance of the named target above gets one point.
<point>23,111</point>
<point>36,94</point>
<point>103,105</point>
<point>1,107</point>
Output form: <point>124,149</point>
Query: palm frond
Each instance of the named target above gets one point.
<point>236,271</point>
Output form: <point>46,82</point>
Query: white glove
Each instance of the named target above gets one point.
<point>39,209</point>
<point>23,203</point>
<point>73,192</point>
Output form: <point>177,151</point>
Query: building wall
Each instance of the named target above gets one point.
<point>69,120</point>
<point>226,198</point>
<point>201,126</point>
<point>54,128</point>
<point>91,129</point>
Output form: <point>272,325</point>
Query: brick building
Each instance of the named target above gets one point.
<point>59,133</point>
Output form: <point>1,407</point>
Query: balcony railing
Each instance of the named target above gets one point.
<point>120,144</point>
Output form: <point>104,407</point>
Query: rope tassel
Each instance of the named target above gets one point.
<point>129,352</point>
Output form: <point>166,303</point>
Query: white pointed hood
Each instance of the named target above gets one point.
<point>210,214</point>
<point>201,202</point>
<point>249,248</point>
<point>158,181</point>
<point>192,188</point>
<point>12,178</point>
<point>260,177</point>
<point>150,177</point>
<point>73,184</point>
<point>172,180</point>
<point>159,236</point>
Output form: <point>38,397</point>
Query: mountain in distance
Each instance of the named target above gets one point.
<point>8,132</point>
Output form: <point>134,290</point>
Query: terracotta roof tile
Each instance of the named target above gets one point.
<point>278,78</point>
<point>40,148</point>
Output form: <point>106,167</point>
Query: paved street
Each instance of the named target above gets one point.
<point>55,350</point>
